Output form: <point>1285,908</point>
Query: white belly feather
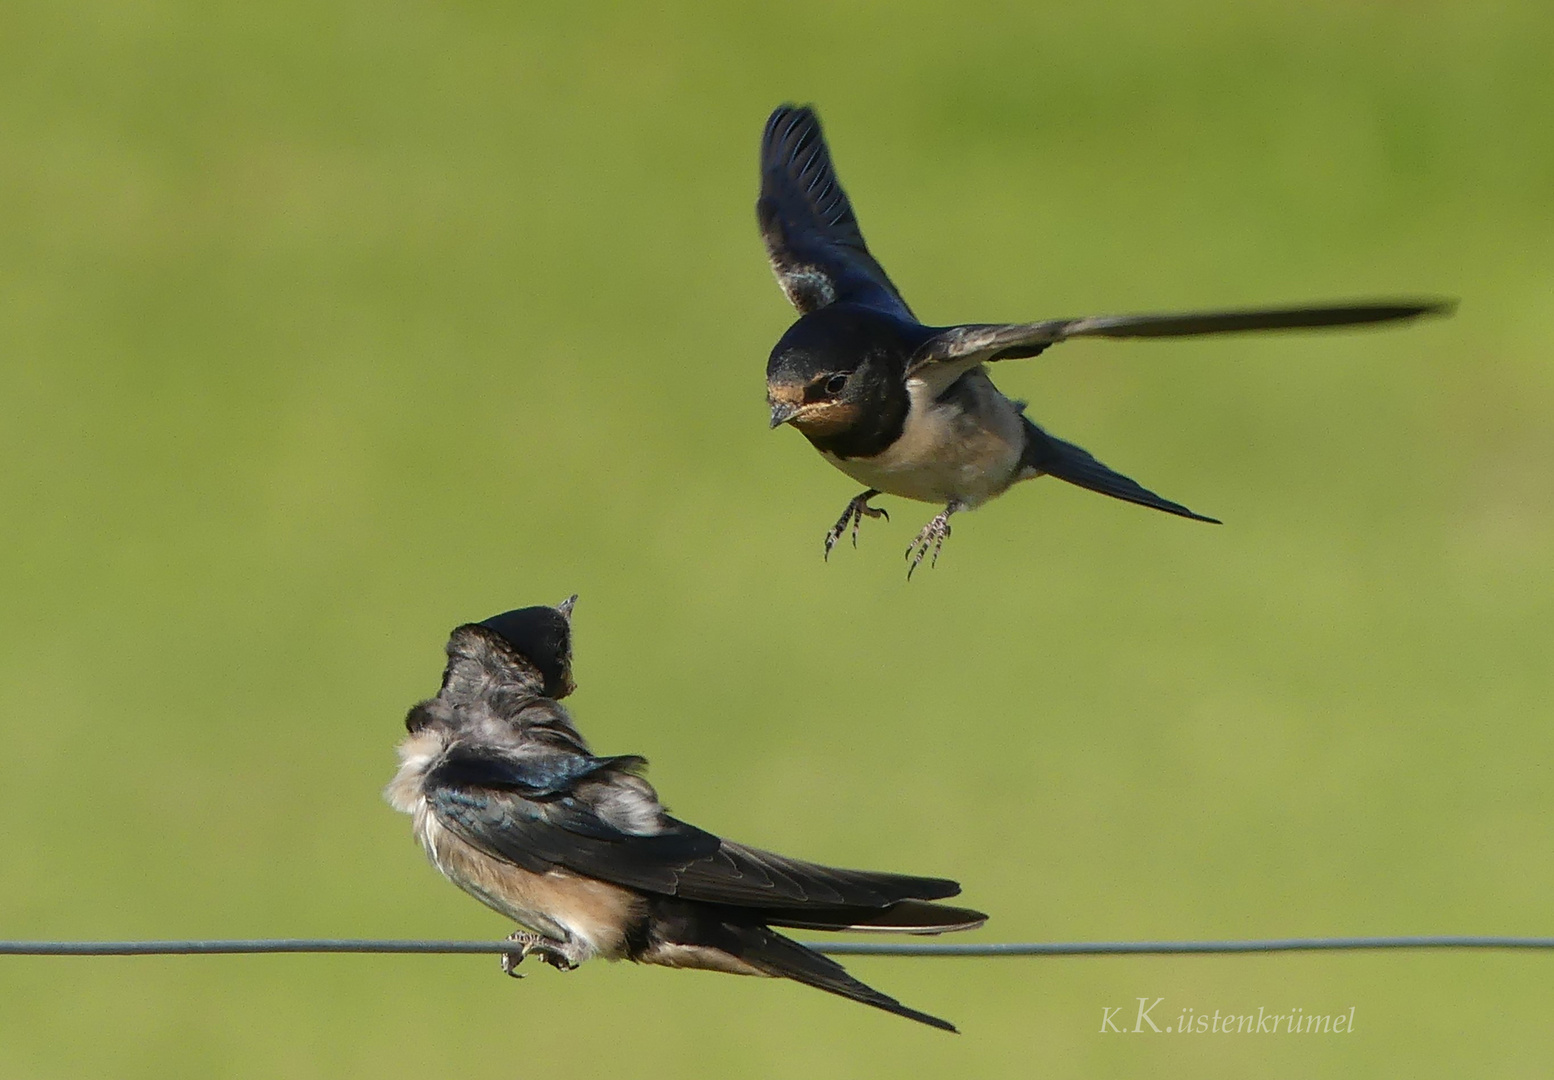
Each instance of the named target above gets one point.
<point>589,916</point>
<point>965,449</point>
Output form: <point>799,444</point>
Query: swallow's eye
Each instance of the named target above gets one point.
<point>837,383</point>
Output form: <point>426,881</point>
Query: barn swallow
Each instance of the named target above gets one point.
<point>908,409</point>
<point>512,806</point>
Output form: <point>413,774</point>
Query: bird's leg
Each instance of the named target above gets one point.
<point>856,511</point>
<point>538,945</point>
<point>510,961</point>
<point>932,536</point>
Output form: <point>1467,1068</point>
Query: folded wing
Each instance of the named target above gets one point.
<point>514,810</point>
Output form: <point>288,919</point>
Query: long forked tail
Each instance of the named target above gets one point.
<point>1048,454</point>
<point>774,954</point>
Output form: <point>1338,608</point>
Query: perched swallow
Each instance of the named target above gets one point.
<point>512,807</point>
<point>907,409</point>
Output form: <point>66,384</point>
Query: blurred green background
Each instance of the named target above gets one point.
<point>327,326</point>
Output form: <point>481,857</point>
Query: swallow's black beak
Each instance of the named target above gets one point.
<point>782,412</point>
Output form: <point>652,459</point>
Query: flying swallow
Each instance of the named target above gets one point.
<point>908,409</point>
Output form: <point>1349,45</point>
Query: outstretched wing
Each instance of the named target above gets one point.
<point>983,343</point>
<point>811,232</point>
<point>581,816</point>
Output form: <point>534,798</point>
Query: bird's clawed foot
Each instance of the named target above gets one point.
<point>534,945</point>
<point>856,511</point>
<point>933,536</point>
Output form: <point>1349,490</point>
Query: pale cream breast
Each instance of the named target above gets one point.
<point>592,915</point>
<point>556,903</point>
<point>966,449</point>
<point>416,752</point>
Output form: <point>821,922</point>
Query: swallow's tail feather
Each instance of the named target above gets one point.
<point>1048,455</point>
<point>770,952</point>
<point>683,934</point>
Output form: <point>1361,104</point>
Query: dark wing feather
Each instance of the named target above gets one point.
<point>983,343</point>
<point>500,803</point>
<point>811,233</point>
<point>905,917</point>
<point>748,877</point>
<point>535,775</point>
<point>512,809</point>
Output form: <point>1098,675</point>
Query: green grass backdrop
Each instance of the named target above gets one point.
<point>326,326</point>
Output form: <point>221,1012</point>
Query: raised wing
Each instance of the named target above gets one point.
<point>983,343</point>
<point>811,232</point>
<point>513,810</point>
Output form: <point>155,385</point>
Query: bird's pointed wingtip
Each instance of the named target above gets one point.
<point>789,109</point>
<point>794,107</point>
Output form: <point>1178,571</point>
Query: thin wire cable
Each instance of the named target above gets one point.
<point>832,948</point>
<point>1173,948</point>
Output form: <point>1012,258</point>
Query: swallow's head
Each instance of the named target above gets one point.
<point>811,381</point>
<point>837,368</point>
<point>543,637</point>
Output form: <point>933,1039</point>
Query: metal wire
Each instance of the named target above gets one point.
<point>1169,948</point>
<point>833,948</point>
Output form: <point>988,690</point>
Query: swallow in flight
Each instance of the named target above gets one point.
<point>512,806</point>
<point>907,409</point>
